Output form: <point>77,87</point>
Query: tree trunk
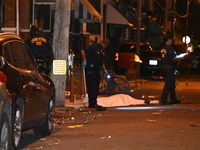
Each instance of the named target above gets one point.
<point>61,46</point>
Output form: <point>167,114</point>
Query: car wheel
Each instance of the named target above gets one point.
<point>17,127</point>
<point>5,133</point>
<point>46,128</point>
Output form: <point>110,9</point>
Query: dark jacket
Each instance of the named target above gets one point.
<point>168,54</point>
<point>95,55</point>
<point>168,63</point>
<point>39,46</point>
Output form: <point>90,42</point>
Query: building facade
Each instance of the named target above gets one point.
<point>91,20</point>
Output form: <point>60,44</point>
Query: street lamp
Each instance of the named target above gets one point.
<point>174,18</point>
<point>186,39</point>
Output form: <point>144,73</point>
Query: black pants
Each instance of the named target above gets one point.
<point>170,85</point>
<point>92,81</point>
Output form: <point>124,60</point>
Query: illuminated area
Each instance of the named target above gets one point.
<point>190,49</point>
<point>59,67</point>
<point>153,62</point>
<point>186,39</point>
<point>108,76</point>
<point>137,108</point>
<point>116,56</point>
<point>137,59</point>
<point>152,107</point>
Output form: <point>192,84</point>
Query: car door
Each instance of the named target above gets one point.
<point>23,79</point>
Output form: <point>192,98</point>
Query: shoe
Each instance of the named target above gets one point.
<point>176,102</point>
<point>100,108</point>
<point>164,103</point>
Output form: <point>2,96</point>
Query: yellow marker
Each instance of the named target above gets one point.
<point>163,52</point>
<point>75,126</point>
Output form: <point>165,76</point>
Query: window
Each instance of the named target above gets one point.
<point>44,16</point>
<point>94,28</point>
<point>1,13</point>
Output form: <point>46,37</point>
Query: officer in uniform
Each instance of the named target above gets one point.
<point>93,61</point>
<point>169,60</point>
<point>40,47</point>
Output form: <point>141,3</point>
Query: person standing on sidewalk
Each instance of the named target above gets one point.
<point>93,62</point>
<point>41,48</point>
<point>169,60</point>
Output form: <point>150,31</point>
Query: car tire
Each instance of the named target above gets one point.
<point>16,127</point>
<point>45,129</point>
<point>5,133</point>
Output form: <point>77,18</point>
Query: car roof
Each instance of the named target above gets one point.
<point>132,42</point>
<point>5,36</point>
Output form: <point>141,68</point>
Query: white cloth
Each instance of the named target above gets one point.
<point>120,100</point>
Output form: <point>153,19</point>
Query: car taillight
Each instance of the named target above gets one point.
<point>3,77</point>
<point>117,56</point>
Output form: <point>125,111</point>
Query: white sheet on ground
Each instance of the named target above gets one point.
<point>121,100</point>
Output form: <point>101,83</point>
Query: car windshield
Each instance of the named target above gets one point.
<point>12,51</point>
<point>151,54</point>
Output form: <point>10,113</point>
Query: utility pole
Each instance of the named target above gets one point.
<point>17,17</point>
<point>61,46</point>
<point>139,19</point>
<point>174,19</point>
<point>102,21</point>
<point>186,28</point>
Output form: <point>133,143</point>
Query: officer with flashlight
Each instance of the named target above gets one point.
<point>93,61</point>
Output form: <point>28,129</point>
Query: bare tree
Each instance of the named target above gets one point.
<point>61,45</point>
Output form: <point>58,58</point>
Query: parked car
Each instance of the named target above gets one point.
<point>125,55</point>
<point>5,117</point>
<point>150,66</point>
<point>125,58</point>
<point>32,92</point>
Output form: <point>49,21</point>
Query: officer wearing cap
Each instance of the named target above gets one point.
<point>168,61</point>
<point>93,61</point>
<point>40,47</point>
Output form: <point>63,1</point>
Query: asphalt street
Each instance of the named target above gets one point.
<point>139,127</point>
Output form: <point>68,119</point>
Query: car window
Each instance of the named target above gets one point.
<point>30,63</point>
<point>131,48</point>
<point>144,47</point>
<point>8,55</point>
<point>17,54</point>
<point>127,48</point>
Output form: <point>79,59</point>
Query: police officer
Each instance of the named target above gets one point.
<point>93,61</point>
<point>40,47</point>
<point>169,60</point>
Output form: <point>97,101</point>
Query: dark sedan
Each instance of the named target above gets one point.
<point>32,92</point>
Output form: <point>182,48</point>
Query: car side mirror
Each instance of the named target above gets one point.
<point>2,62</point>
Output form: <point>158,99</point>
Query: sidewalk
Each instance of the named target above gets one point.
<point>78,101</point>
<point>77,104</point>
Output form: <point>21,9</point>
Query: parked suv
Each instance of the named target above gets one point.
<point>32,92</point>
<point>150,66</point>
